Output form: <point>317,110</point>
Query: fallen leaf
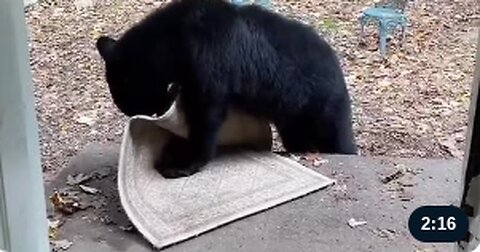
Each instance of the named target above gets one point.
<point>385,233</point>
<point>392,177</point>
<point>318,162</point>
<point>86,120</point>
<point>128,228</point>
<point>89,189</point>
<point>101,173</point>
<point>64,204</point>
<point>61,245</point>
<point>354,223</point>
<point>95,33</point>
<point>87,117</point>
<point>449,145</point>
<point>77,179</point>
<point>53,228</point>
<point>63,128</point>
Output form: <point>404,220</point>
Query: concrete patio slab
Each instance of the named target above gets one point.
<point>316,222</point>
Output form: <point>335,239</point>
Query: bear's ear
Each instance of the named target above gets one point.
<point>105,46</point>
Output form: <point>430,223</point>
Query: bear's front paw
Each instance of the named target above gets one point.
<point>177,168</point>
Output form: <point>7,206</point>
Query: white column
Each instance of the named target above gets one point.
<point>471,181</point>
<point>23,223</point>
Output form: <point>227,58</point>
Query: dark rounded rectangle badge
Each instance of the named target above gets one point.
<point>438,224</point>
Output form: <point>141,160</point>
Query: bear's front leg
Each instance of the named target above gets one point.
<point>204,123</point>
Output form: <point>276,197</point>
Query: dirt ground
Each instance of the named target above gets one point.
<point>413,104</point>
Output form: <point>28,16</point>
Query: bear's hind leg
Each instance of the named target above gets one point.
<point>334,135</point>
<point>297,137</point>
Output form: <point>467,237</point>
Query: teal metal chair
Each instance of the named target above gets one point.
<point>388,14</point>
<point>264,3</point>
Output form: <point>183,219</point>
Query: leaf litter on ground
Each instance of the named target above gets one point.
<point>422,87</point>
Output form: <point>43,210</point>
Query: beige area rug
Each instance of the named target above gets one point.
<point>167,211</point>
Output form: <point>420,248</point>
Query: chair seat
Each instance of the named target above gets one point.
<point>388,19</point>
<point>383,13</point>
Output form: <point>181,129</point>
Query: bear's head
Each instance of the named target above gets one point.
<point>132,73</point>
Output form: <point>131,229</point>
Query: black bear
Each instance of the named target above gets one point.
<point>222,55</point>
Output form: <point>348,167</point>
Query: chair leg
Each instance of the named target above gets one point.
<point>383,32</point>
<point>362,21</point>
<point>404,30</point>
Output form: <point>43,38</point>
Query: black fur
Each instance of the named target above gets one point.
<point>222,55</point>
